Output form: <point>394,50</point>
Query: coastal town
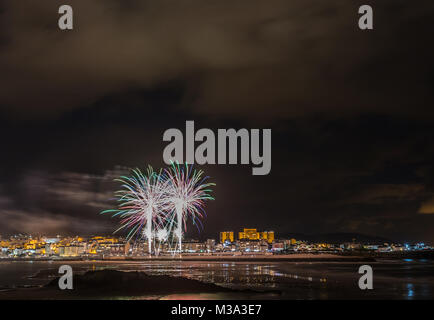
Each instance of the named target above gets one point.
<point>248,242</point>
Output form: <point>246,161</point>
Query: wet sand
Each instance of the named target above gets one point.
<point>112,284</point>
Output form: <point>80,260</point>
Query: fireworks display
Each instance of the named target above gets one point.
<point>143,204</point>
<point>187,191</point>
<point>157,205</point>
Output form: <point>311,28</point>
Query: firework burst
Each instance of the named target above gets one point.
<point>158,204</point>
<point>187,191</point>
<point>143,204</point>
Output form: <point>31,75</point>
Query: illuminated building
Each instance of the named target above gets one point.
<point>127,248</point>
<point>268,236</point>
<point>226,236</point>
<point>278,246</point>
<point>253,234</point>
<point>210,245</point>
<point>193,246</point>
<point>249,234</point>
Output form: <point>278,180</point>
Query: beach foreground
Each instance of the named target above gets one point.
<point>177,279</point>
<point>112,284</point>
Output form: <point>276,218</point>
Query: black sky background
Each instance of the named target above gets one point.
<point>351,111</point>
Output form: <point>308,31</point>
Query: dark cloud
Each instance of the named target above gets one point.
<point>350,110</point>
<point>298,57</point>
<point>65,202</point>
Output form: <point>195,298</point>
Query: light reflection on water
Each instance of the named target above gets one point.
<point>317,280</point>
<point>410,288</point>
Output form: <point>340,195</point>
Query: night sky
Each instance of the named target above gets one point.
<point>351,111</point>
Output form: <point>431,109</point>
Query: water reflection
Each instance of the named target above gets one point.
<point>392,279</point>
<point>410,291</point>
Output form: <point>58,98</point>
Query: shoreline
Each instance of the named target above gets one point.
<point>217,258</point>
<point>295,257</point>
